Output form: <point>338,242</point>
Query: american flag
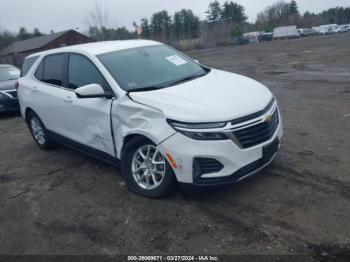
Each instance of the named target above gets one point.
<point>138,29</point>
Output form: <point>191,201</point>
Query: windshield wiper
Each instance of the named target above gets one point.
<point>146,88</point>
<point>157,87</point>
<point>185,79</point>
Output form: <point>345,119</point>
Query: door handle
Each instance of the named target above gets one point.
<point>68,99</point>
<point>35,89</point>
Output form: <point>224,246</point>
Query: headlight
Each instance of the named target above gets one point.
<point>187,130</point>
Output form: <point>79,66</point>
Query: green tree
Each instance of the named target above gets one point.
<point>178,25</point>
<point>214,12</point>
<point>273,16</point>
<point>146,31</point>
<point>293,8</point>
<point>23,34</point>
<point>6,38</point>
<point>338,15</point>
<point>307,14</point>
<point>119,33</point>
<point>186,24</point>
<point>233,12</point>
<point>37,32</point>
<point>161,25</point>
<point>236,31</point>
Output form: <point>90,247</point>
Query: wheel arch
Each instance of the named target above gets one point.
<point>131,142</point>
<point>27,111</point>
<point>133,137</point>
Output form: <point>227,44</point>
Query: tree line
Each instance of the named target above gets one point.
<point>7,37</point>
<point>184,24</point>
<point>283,13</point>
<point>224,22</point>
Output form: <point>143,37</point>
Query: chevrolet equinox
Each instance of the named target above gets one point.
<point>163,117</point>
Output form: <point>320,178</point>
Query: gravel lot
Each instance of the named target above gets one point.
<point>61,202</point>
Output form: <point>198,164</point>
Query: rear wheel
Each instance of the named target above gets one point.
<point>39,131</point>
<point>146,171</point>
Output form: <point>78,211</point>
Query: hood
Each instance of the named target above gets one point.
<point>217,96</point>
<point>7,85</point>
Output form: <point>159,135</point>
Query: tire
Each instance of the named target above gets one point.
<point>39,132</point>
<point>158,185</point>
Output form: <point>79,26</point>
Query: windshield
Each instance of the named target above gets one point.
<point>9,73</point>
<point>149,67</point>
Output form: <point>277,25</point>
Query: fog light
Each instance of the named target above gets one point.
<point>203,166</point>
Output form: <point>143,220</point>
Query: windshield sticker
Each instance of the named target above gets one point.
<point>176,60</point>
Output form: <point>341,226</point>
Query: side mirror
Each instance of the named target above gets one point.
<point>91,91</point>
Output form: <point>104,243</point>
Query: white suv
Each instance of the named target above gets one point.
<point>162,116</point>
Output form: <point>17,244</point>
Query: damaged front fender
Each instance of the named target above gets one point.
<point>132,118</point>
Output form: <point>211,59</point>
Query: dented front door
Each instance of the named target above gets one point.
<point>87,121</point>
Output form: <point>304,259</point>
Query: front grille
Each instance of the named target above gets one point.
<point>254,115</point>
<point>12,93</point>
<point>203,166</point>
<point>257,134</point>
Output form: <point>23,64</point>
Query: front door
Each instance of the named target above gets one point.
<point>87,120</point>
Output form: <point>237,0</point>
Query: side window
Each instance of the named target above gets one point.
<point>27,64</point>
<point>81,72</point>
<point>52,72</point>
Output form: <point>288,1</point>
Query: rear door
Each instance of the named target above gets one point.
<point>87,120</point>
<point>47,92</point>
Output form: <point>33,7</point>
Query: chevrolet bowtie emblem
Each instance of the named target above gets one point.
<point>268,118</point>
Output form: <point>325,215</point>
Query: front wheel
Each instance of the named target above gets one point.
<point>146,171</point>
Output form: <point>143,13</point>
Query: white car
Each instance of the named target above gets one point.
<point>162,116</point>
<point>343,29</point>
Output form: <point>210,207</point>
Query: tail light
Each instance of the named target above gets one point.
<point>16,85</point>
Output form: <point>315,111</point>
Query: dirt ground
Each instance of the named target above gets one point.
<point>61,202</point>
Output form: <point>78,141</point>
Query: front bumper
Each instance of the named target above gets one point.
<point>8,102</point>
<point>238,163</point>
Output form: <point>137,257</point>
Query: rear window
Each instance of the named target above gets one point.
<point>27,64</point>
<point>51,70</point>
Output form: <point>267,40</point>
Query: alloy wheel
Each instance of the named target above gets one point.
<point>38,131</point>
<point>148,167</point>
